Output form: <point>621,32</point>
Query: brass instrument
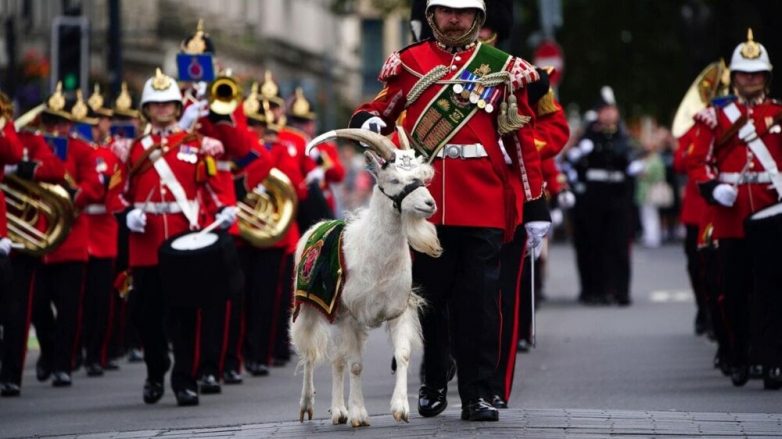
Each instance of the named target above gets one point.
<point>712,82</point>
<point>266,214</point>
<point>224,94</point>
<point>29,203</point>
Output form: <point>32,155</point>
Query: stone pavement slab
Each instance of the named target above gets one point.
<point>514,423</point>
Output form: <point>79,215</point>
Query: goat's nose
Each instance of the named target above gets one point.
<point>430,203</point>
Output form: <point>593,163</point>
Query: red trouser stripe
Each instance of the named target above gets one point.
<point>513,348</point>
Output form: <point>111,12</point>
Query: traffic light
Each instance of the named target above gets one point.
<point>70,52</point>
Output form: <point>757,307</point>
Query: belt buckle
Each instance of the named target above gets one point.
<point>752,178</point>
<point>453,151</point>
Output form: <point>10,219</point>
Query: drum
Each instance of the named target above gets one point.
<point>200,269</point>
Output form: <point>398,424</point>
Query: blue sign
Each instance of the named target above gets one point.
<point>195,67</point>
<point>59,146</point>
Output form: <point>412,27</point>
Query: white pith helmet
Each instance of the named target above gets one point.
<point>457,4</point>
<point>160,88</point>
<point>750,56</point>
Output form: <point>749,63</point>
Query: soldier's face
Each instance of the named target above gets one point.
<point>453,22</point>
<point>162,112</point>
<point>750,84</point>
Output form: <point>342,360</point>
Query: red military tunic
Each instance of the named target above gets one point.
<point>145,191</point>
<point>712,164</point>
<point>81,176</point>
<point>469,192</point>
<point>48,168</point>
<point>10,153</point>
<point>328,158</point>
<point>296,142</point>
<point>693,205</point>
<point>103,223</point>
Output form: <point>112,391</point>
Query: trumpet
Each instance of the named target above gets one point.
<point>32,203</point>
<point>266,213</point>
<point>224,95</point>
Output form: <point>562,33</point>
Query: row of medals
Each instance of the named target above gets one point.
<point>484,97</point>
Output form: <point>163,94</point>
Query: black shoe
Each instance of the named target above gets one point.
<point>61,379</point>
<point>257,369</point>
<point>772,380</point>
<point>756,371</point>
<point>10,389</point>
<point>94,370</point>
<point>279,362</point>
<point>479,410</point>
<point>451,370</point>
<point>232,377</point>
<point>739,375</point>
<point>523,346</point>
<point>135,356</point>
<point>186,397</point>
<point>111,365</point>
<point>701,324</point>
<point>209,385</point>
<point>498,402</point>
<point>431,402</point>
<point>42,371</point>
<point>623,301</point>
<point>153,391</point>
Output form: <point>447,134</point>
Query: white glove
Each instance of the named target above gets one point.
<point>316,174</point>
<point>136,220</point>
<point>211,146</point>
<point>556,217</point>
<point>748,133</point>
<point>374,124</point>
<point>725,194</point>
<point>192,113</point>
<point>10,170</point>
<point>636,167</point>
<point>200,88</point>
<point>566,199</point>
<point>584,147</point>
<point>121,148</point>
<point>5,246</point>
<point>227,216</point>
<point>707,116</point>
<point>536,231</point>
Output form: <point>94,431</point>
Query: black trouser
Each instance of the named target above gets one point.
<point>579,214</point>
<point>99,309</point>
<point>737,287</point>
<point>61,285</point>
<point>608,220</point>
<point>695,268</point>
<point>261,286</point>
<point>213,339</point>
<point>15,311</point>
<point>461,286</point>
<point>281,324</point>
<point>248,257</point>
<point>710,258</point>
<point>764,237</point>
<point>154,318</point>
<point>511,268</point>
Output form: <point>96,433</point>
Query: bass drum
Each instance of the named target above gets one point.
<point>200,270</point>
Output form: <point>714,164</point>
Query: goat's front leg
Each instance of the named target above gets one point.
<point>405,332</point>
<point>339,413</point>
<point>307,400</point>
<point>354,338</point>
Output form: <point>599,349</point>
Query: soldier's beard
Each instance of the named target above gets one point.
<point>456,40</point>
<point>750,92</point>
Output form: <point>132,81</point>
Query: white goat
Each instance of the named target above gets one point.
<point>376,246</point>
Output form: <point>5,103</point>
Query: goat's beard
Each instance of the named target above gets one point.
<point>422,236</point>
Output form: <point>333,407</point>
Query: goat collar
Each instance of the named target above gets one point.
<point>397,199</point>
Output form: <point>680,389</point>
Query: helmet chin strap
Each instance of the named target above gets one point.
<point>468,37</point>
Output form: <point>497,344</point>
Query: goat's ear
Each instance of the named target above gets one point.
<point>426,173</point>
<point>373,162</point>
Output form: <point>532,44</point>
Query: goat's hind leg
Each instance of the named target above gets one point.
<point>309,334</point>
<point>339,413</point>
<point>405,333</point>
<point>353,337</point>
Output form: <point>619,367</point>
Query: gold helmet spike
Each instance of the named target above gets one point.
<point>123,105</point>
<point>80,110</point>
<point>251,104</point>
<point>197,44</point>
<point>300,107</point>
<point>96,100</point>
<point>269,88</point>
<point>56,101</point>
<point>161,81</point>
<point>751,49</point>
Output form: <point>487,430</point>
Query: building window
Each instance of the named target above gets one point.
<point>371,54</point>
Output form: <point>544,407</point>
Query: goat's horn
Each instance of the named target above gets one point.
<point>404,143</point>
<point>376,142</point>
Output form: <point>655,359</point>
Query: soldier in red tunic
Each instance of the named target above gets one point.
<point>172,184</point>
<point>461,98</point>
<point>737,152</point>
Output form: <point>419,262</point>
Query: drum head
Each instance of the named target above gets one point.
<point>194,241</point>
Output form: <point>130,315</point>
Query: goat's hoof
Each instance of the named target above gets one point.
<point>401,416</point>
<point>302,412</point>
<point>339,415</point>
<point>360,423</point>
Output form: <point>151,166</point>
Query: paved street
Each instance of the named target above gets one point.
<point>629,372</point>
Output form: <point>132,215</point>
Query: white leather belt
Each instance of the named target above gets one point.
<point>468,151</point>
<point>95,209</point>
<point>744,178</point>
<point>163,207</point>
<point>605,175</point>
<point>224,165</point>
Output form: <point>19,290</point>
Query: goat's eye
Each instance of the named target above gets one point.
<point>394,181</point>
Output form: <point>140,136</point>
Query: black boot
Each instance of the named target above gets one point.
<point>431,402</point>
<point>479,410</point>
<point>153,391</point>
<point>209,385</point>
<point>739,375</point>
<point>61,379</point>
<point>186,397</point>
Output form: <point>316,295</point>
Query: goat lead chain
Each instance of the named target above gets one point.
<point>398,198</point>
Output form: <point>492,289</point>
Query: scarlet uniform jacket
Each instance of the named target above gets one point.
<point>334,172</point>
<point>10,153</point>
<point>694,207</point>
<point>103,225</point>
<point>296,142</point>
<point>187,163</point>
<point>471,192</point>
<point>709,161</point>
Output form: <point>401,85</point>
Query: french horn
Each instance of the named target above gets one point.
<point>268,211</point>
<point>712,82</point>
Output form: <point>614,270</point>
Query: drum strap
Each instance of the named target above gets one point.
<point>167,177</point>
<point>759,149</point>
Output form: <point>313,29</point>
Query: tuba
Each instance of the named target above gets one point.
<point>712,82</point>
<point>30,203</point>
<point>267,212</point>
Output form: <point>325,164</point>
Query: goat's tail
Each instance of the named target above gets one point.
<point>310,336</point>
